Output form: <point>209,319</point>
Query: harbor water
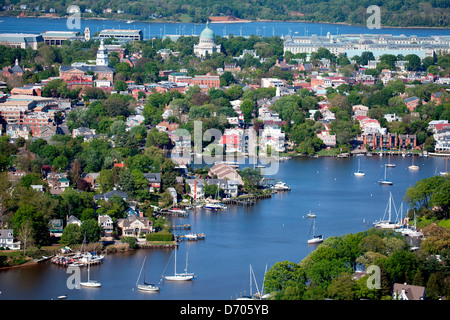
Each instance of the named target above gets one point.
<point>272,230</point>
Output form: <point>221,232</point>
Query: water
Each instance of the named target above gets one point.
<point>151,29</point>
<point>273,230</point>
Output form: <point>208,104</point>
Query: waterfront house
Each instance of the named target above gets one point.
<point>232,188</point>
<point>7,239</point>
<point>173,193</point>
<point>378,140</point>
<point>408,292</point>
<point>106,223</point>
<point>224,171</point>
<point>272,138</point>
<point>407,141</point>
<point>196,188</point>
<point>328,139</point>
<point>55,227</point>
<point>134,225</point>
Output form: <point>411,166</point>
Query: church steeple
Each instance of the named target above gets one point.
<point>102,55</point>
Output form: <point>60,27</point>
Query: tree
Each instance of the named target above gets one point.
<point>282,277</point>
<point>251,176</point>
<point>226,79</point>
<point>342,288</point>
<point>247,107</point>
<point>72,234</point>
<point>116,106</point>
<point>120,86</point>
<point>61,163</point>
<point>437,286</point>
<point>91,229</point>
<point>414,62</point>
<point>25,234</point>
<point>27,213</point>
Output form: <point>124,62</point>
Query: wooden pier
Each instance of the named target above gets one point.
<point>173,213</point>
<point>247,200</point>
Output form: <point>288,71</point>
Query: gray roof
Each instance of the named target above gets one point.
<point>87,68</point>
<point>20,37</point>
<point>153,177</point>
<point>6,233</point>
<point>199,181</point>
<point>411,99</point>
<point>113,193</point>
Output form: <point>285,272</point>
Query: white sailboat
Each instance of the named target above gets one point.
<point>315,239</point>
<point>215,205</point>
<point>359,173</point>
<point>251,296</point>
<point>388,224</point>
<point>145,286</point>
<point>412,166</point>
<point>311,215</point>
<point>389,164</point>
<point>385,181</point>
<point>180,276</point>
<point>90,283</point>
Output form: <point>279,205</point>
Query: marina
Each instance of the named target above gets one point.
<point>273,229</point>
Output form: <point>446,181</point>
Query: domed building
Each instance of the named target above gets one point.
<point>206,44</point>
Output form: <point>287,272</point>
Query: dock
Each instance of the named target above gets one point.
<point>182,227</point>
<point>174,213</point>
<point>190,237</point>
<point>247,200</point>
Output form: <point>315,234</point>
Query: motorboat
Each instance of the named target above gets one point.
<point>281,186</point>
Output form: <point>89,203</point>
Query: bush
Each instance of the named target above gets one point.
<point>130,240</point>
<point>159,236</point>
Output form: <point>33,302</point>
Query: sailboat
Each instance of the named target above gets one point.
<point>180,276</point>
<point>145,286</point>
<point>251,296</point>
<point>389,164</point>
<point>359,173</point>
<point>90,283</point>
<point>412,166</point>
<point>311,215</point>
<point>387,224</point>
<point>385,181</point>
<point>315,239</point>
<point>443,173</point>
<point>217,205</point>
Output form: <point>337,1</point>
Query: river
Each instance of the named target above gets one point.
<point>152,29</point>
<point>273,230</point>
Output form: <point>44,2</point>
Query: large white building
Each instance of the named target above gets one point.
<point>378,44</point>
<point>206,44</point>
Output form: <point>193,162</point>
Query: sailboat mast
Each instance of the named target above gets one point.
<point>175,261</point>
<point>390,200</point>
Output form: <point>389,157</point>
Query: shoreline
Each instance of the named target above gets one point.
<point>230,22</point>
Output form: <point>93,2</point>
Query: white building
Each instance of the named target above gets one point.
<point>196,188</point>
<point>102,55</point>
<point>206,45</point>
<point>272,137</point>
<point>7,239</point>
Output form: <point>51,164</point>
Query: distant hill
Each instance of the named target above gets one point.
<point>396,13</point>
